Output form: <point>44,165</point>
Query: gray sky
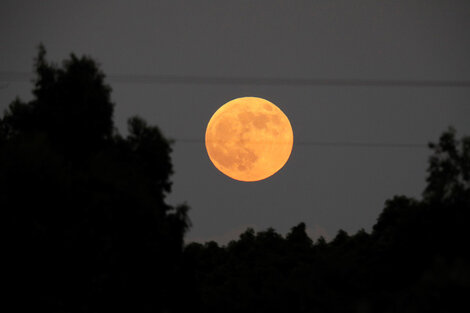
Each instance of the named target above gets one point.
<point>327,187</point>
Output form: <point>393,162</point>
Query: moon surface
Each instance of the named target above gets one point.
<point>249,139</point>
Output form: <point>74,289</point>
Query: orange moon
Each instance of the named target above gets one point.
<point>249,139</point>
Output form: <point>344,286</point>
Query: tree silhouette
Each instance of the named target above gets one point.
<point>449,169</point>
<point>88,229</point>
<point>71,105</point>
<point>415,259</point>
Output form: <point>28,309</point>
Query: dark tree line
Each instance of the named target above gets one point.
<point>415,260</point>
<point>87,228</point>
<point>87,225</point>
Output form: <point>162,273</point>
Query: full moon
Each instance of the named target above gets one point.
<point>249,139</point>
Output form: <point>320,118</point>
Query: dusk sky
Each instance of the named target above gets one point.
<point>355,144</point>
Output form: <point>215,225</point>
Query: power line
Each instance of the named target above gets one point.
<point>362,144</point>
<point>266,81</point>
<point>351,144</point>
<point>16,76</point>
<point>169,79</point>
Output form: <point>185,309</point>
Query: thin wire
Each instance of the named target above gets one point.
<point>335,144</point>
<point>275,81</point>
<point>199,80</point>
<point>362,144</point>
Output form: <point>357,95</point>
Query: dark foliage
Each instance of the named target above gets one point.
<point>87,226</point>
<point>415,260</point>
